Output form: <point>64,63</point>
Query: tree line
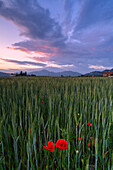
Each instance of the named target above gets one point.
<point>22,74</point>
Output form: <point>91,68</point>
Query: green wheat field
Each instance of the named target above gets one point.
<point>27,123</point>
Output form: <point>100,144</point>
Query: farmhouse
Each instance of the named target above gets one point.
<point>107,74</point>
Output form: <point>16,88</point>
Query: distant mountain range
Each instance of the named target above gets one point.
<point>53,74</point>
<point>109,70</point>
<point>95,73</point>
<point>58,74</point>
<point>4,74</point>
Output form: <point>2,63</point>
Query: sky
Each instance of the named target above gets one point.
<point>56,35</point>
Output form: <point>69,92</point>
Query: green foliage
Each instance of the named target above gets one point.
<point>110,141</point>
<point>69,104</point>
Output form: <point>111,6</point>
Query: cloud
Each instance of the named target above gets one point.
<point>23,62</point>
<point>93,12</point>
<point>83,35</point>
<point>12,70</point>
<point>38,64</point>
<point>36,58</point>
<point>34,21</point>
<point>69,7</point>
<point>99,67</point>
<point>39,46</point>
<point>1,4</point>
<point>60,65</point>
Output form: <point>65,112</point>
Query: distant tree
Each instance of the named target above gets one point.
<point>17,74</point>
<point>21,73</point>
<point>62,76</point>
<point>33,75</point>
<point>25,73</point>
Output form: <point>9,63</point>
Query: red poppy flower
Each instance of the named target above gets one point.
<point>97,119</point>
<point>88,144</point>
<point>106,110</point>
<point>89,124</point>
<point>86,107</point>
<point>79,138</point>
<point>37,93</point>
<point>42,101</point>
<point>30,130</point>
<point>56,86</point>
<point>50,146</point>
<point>62,144</point>
<point>78,125</point>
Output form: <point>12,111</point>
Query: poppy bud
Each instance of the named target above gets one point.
<point>77,151</point>
<point>79,138</point>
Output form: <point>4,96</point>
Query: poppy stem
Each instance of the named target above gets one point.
<point>60,159</point>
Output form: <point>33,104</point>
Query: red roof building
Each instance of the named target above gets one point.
<point>106,74</point>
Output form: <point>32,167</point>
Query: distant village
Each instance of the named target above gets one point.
<point>108,74</point>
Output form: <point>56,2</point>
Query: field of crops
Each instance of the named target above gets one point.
<point>34,111</point>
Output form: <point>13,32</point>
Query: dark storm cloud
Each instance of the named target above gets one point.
<point>32,18</point>
<point>1,4</point>
<point>23,62</point>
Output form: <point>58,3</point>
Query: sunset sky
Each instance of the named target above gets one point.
<point>56,35</point>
